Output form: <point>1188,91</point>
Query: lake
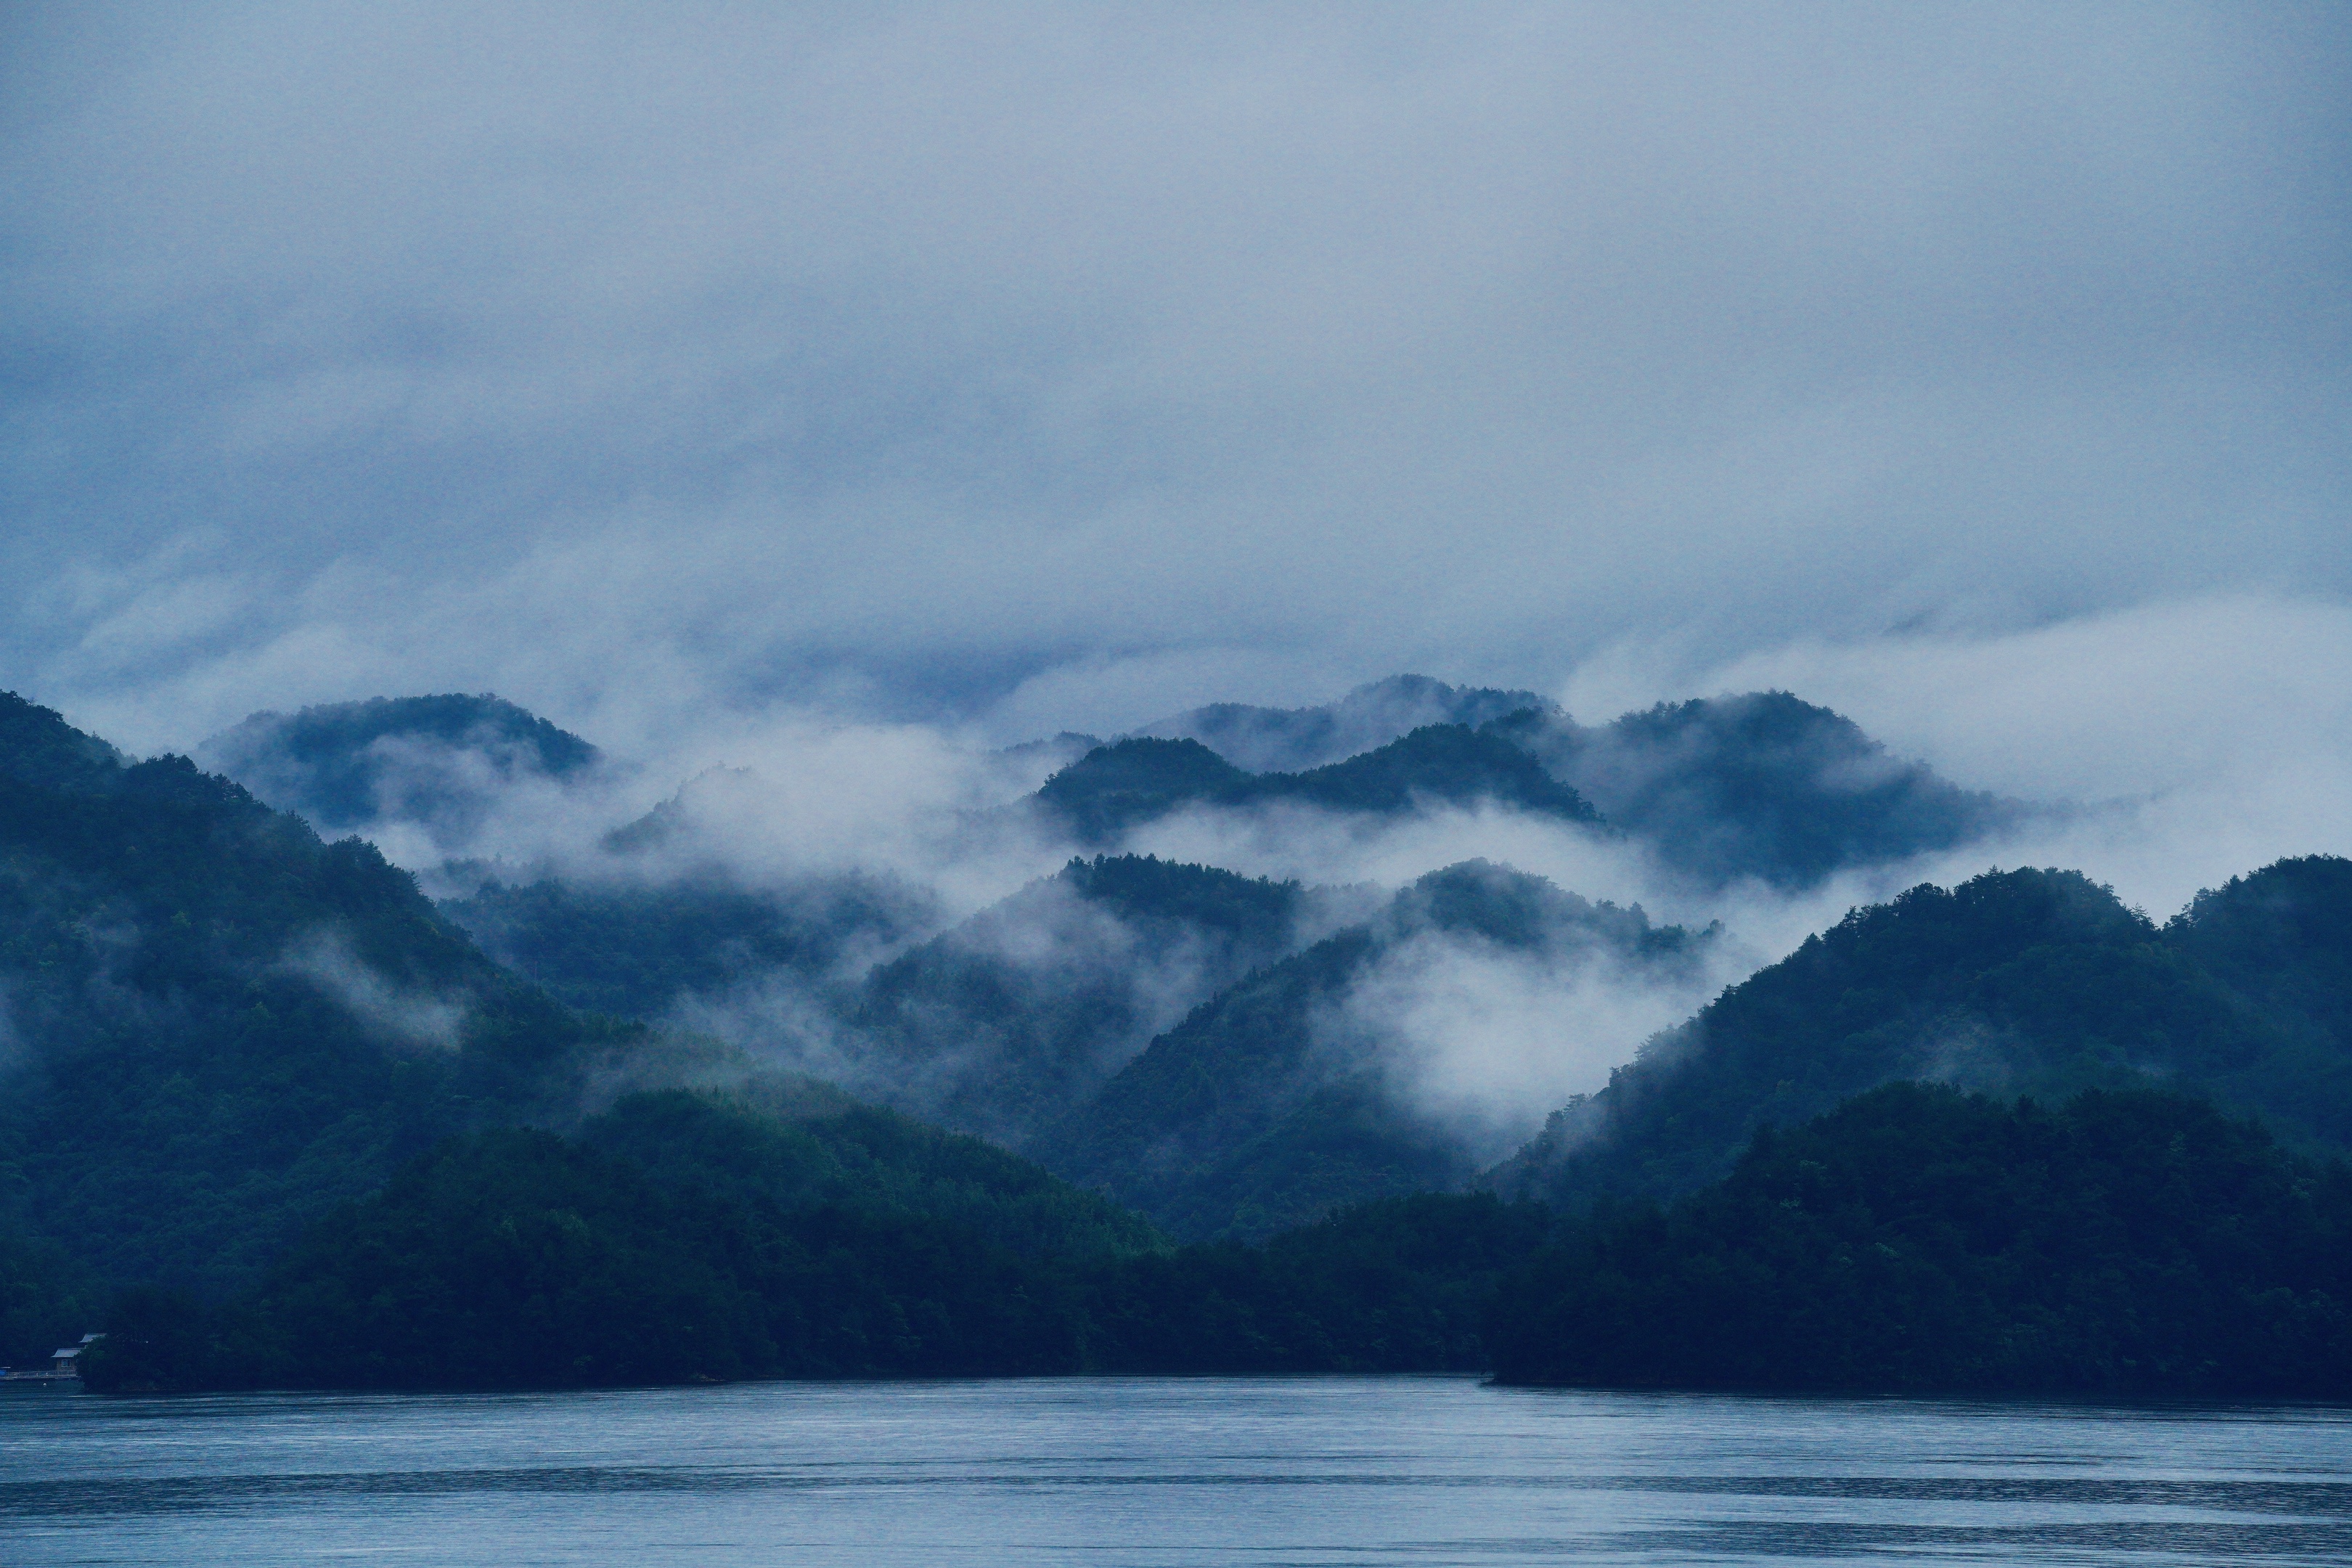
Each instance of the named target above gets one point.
<point>1358,1472</point>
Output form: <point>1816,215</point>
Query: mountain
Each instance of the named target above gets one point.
<point>1131,782</point>
<point>999,1025</point>
<point>2037,982</point>
<point>218,1025</point>
<point>1917,1241</point>
<point>1760,786</point>
<point>640,949</point>
<point>676,1237</point>
<point>1293,740</point>
<point>1269,1106</point>
<point>692,1237</point>
<point>439,762</point>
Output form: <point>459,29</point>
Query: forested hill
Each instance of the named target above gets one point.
<point>1293,740</point>
<point>2028,981</point>
<point>1761,785</point>
<point>1265,1108</point>
<point>1003,1024</point>
<point>439,762</point>
<point>1117,787</point>
<point>220,1025</point>
<point>1915,1240</point>
<point>641,949</point>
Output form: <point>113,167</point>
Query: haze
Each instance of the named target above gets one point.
<point>692,380</point>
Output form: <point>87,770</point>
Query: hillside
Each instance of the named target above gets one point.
<point>1001,1025</point>
<point>1760,786</point>
<point>1918,1241</point>
<point>439,762</point>
<point>1131,782</point>
<point>677,1237</point>
<point>2014,981</point>
<point>220,1025</point>
<point>686,1237</point>
<point>1293,740</point>
<point>1266,1107</point>
<point>637,949</point>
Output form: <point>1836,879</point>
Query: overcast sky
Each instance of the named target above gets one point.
<point>1032,366</point>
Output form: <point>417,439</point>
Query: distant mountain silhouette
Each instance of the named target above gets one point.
<point>1292,740</point>
<point>1129,783</point>
<point>436,761</point>
<point>1759,785</point>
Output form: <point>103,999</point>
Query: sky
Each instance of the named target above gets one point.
<point>1979,370</point>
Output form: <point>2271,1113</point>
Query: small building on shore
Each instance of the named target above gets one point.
<point>66,1362</point>
<point>65,1366</point>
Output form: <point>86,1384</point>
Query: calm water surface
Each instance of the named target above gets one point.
<point>1112,1471</point>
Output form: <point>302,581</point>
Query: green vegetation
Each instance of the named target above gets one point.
<point>680,1236</point>
<point>345,765</point>
<point>1759,785</point>
<point>334,1144</point>
<point>1292,740</point>
<point>684,1236</point>
<point>1918,1240</point>
<point>1245,1119</point>
<point>1001,1025</point>
<point>2023,981</point>
<point>1915,1240</point>
<point>633,951</point>
<point>1401,1284</point>
<point>222,1026</point>
<point>1132,782</point>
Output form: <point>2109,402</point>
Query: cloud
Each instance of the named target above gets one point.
<point>1485,1040</point>
<point>906,362</point>
<point>405,1015</point>
<point>2213,734</point>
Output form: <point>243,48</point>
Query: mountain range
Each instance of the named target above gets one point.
<point>230,1042</point>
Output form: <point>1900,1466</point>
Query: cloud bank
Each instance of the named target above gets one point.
<point>1042,366</point>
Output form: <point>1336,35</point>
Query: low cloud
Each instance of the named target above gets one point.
<point>1485,1041</point>
<point>405,1015</point>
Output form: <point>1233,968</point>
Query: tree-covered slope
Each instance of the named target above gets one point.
<point>1919,1241</point>
<point>1134,781</point>
<point>1760,786</point>
<point>1001,1025</point>
<point>636,949</point>
<point>1265,1108</point>
<point>219,1026</point>
<point>1292,740</point>
<point>2018,981</point>
<point>437,761</point>
<point>692,1237</point>
<point>679,1236</point>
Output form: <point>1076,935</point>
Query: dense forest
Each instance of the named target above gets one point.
<point>1916,1240</point>
<point>2014,981</point>
<point>223,1026</point>
<point>683,1236</point>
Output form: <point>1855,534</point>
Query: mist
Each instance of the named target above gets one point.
<point>811,409</point>
<point>1055,367</point>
